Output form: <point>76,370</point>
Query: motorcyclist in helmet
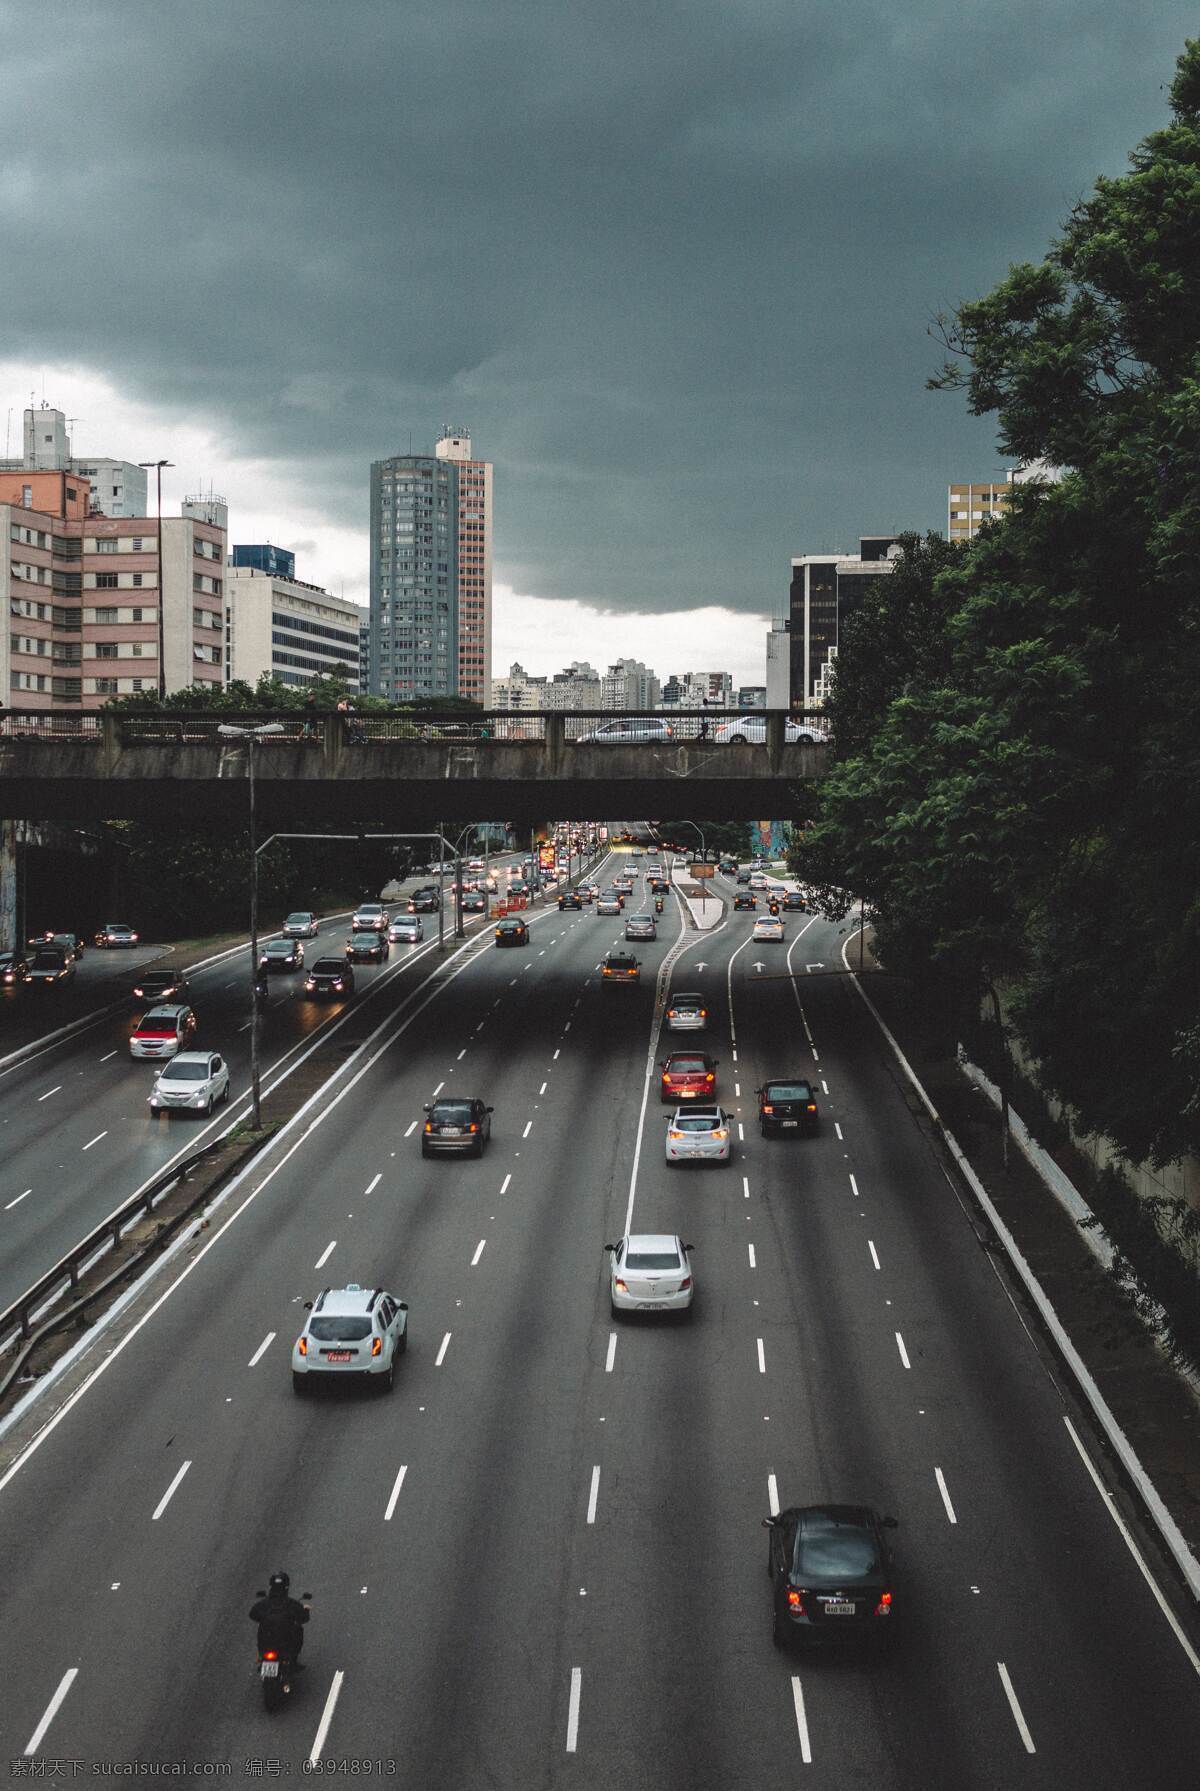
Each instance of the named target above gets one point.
<point>280,1618</point>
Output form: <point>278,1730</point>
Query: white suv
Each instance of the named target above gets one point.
<point>351,1330</point>
<point>193,1080</point>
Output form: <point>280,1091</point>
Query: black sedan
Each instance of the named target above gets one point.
<point>569,899</point>
<point>794,902</point>
<point>425,901</point>
<point>367,948</point>
<point>744,899</point>
<point>157,986</point>
<point>787,1105</point>
<point>13,966</point>
<point>474,902</point>
<point>456,1126</point>
<point>329,977</point>
<point>831,1575</point>
<point>281,954</point>
<point>512,931</point>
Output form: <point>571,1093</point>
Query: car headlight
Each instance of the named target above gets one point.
<point>197,1100</point>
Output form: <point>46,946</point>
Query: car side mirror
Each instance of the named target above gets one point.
<point>891,1523</point>
<point>261,1593</point>
<point>610,1246</point>
<point>689,1248</point>
<point>489,1109</point>
<point>428,1107</point>
<point>402,1305</point>
<point>308,1305</point>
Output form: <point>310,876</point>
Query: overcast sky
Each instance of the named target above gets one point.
<point>673,265</point>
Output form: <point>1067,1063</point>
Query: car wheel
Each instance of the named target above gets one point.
<point>208,1107</point>
<point>389,1379</point>
<point>764,1131</point>
<point>615,1310</point>
<point>424,1151</point>
<point>737,739</point>
<point>299,1382</point>
<point>228,1092</point>
<point>402,1342</point>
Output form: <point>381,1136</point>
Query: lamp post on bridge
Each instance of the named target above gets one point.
<point>253,737</point>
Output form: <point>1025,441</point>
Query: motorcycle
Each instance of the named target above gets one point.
<point>276,1668</point>
<point>658,904</point>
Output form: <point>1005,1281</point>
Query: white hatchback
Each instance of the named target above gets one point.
<point>406,929</point>
<point>768,930</point>
<point>193,1081</point>
<point>698,1135</point>
<point>650,1271</point>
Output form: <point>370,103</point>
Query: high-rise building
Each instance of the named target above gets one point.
<point>628,684</point>
<point>751,696</point>
<point>825,589</point>
<point>695,690</point>
<point>474,565</point>
<point>82,593</point>
<point>414,577</point>
<point>118,487</point>
<point>286,629</point>
<point>265,558</point>
<point>518,690</point>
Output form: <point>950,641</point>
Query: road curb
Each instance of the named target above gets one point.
<point>1151,1498</point>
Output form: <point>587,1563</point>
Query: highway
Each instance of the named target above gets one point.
<point>538,1562</point>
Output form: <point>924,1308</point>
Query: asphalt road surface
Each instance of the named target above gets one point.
<point>539,1562</point>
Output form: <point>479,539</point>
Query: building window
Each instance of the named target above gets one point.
<point>106,615</point>
<point>136,544</point>
<point>106,649</point>
<point>106,581</point>
<point>137,578</point>
<point>107,545</point>
<point>106,687</point>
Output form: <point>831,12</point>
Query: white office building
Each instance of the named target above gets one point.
<point>288,630</point>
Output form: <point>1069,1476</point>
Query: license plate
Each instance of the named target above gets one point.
<point>337,1355</point>
<point>452,1131</point>
<point>270,1669</point>
<point>789,1122</point>
<point>839,1609</point>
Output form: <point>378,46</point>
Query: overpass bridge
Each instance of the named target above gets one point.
<point>399,768</point>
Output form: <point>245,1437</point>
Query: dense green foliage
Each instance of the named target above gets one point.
<point>1016,788</point>
<point>273,695</point>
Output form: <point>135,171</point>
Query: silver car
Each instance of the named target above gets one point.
<point>641,926</point>
<point>687,1013</point>
<point>608,903</point>
<point>50,965</point>
<point>634,730</point>
<point>193,1081</point>
<point>698,1135</point>
<point>301,925</point>
<point>406,929</point>
<point>350,1330</point>
<point>370,917</point>
<point>650,1272</point>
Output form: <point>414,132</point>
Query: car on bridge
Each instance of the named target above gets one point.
<point>114,935</point>
<point>329,977</point>
<point>633,730</point>
<point>751,730</point>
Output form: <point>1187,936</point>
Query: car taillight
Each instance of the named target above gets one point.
<point>704,1013</point>
<point>673,1134</point>
<point>768,1108</point>
<point>377,1346</point>
<point>666,1075</point>
<point>884,1607</point>
<point>795,1600</point>
<point>631,972</point>
<point>685,1283</point>
<point>621,1287</point>
<point>429,1125</point>
<point>710,1077</point>
<point>270,1654</point>
<point>812,1106</point>
<point>472,1127</point>
<point>302,1346</point>
<point>720,1133</point>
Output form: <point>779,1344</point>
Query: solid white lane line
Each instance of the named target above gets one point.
<point>1131,1545</point>
<point>391,1504</point>
<point>107,1055</point>
<point>542,1089</point>
<point>374,1183</point>
<point>262,1349</point>
<point>437,1091</point>
<point>17,1201</point>
<point>837,1128</point>
<point>326,1253</point>
<point>772,1495</point>
<point>95,1140</point>
<point>478,1252</point>
<point>746,1186</point>
<point>167,1496</point>
<point>441,1355</point>
<point>573,1709</point>
<point>461,1055</point>
<point>903,1351</point>
<point>612,1352</point>
<point>326,1717</point>
<point>944,1490</point>
<point>753,1264</point>
<point>1011,1695</point>
<point>854,1187</point>
<point>412,1128</point>
<point>874,1254</point>
<point>801,1720</point>
<point>504,1184</point>
<point>51,1091</point>
<point>64,1686</point>
<point>593,1496</point>
<point>762,1360</point>
<point>528,1128</point>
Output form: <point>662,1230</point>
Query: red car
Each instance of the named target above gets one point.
<point>688,1076</point>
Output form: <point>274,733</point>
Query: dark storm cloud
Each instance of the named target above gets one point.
<point>672,264</point>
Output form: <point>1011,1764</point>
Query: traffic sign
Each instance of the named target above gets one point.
<point>702,870</point>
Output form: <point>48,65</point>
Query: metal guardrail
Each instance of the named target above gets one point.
<point>16,1323</point>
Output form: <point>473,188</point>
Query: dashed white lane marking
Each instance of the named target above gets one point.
<point>412,1128</point>
<point>801,1720</point>
<point>542,1089</point>
<point>262,1349</point>
<point>326,1717</point>
<point>874,1254</point>
<point>567,1027</point>
<point>741,1133</point>
<point>837,1128</point>
<point>64,1686</point>
<point>51,1091</point>
<point>816,1059</point>
<point>513,981</point>
<point>854,1187</point>
<point>391,1504</point>
<point>1018,1718</point>
<point>824,1086</point>
<point>556,1053</point>
<point>461,1055</point>
<point>95,1140</point>
<point>593,1495</point>
<point>746,1186</point>
<point>326,1253</point>
<point>107,1055</point>
<point>374,1183</point>
<point>753,1263</point>
<point>945,1492</point>
<point>437,1091</point>
<point>169,1494</point>
<point>903,1351</point>
<point>762,1360</point>
<point>504,1184</point>
<point>479,1028</point>
<point>772,1495</point>
<point>478,1253</point>
<point>441,1355</point>
<point>18,1200</point>
<point>573,1709</point>
<point>528,1128</point>
<point>612,1352</point>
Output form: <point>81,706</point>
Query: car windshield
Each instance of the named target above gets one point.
<point>297,920</point>
<point>280,948</point>
<point>687,1001</point>
<point>454,1113</point>
<point>371,908</point>
<point>844,1553</point>
<point>696,1122</point>
<point>114,926</point>
<point>185,1072</point>
<point>651,1259</point>
<point>159,979</point>
<point>48,960</point>
<point>327,967</point>
<point>788,1091</point>
<point>641,920</point>
<point>343,1329</point>
<point>686,1066</point>
<point>157,1029</point>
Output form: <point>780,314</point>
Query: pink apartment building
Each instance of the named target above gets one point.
<point>82,596</point>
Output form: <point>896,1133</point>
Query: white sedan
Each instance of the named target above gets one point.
<point>698,1135</point>
<point>650,1272</point>
<point>768,929</point>
<point>752,730</point>
<point>193,1081</point>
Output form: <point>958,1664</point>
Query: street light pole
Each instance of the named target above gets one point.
<point>157,466</point>
<point>441,888</point>
<point>253,737</point>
